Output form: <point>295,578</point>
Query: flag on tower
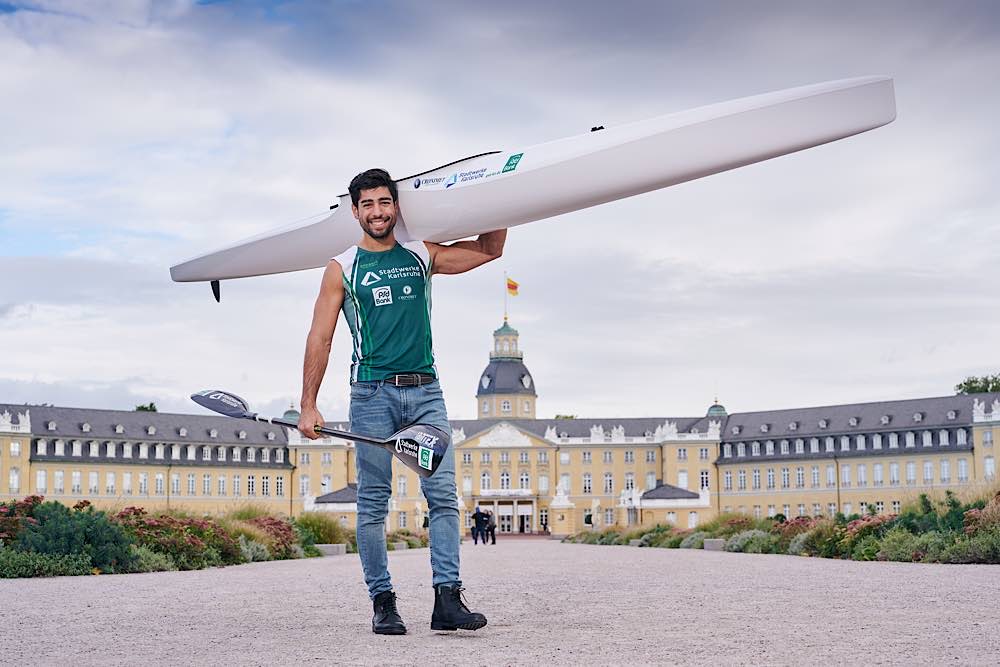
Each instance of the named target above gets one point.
<point>511,287</point>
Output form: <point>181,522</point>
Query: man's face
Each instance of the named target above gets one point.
<point>376,212</point>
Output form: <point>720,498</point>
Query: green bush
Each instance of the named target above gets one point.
<point>900,545</point>
<point>822,540</point>
<point>866,548</point>
<point>253,551</point>
<point>57,530</point>
<point>15,564</point>
<point>695,540</point>
<point>983,547</point>
<point>325,528</point>
<point>797,545</point>
<point>248,511</point>
<point>147,560</point>
<point>670,541</point>
<point>192,544</point>
<point>752,542</point>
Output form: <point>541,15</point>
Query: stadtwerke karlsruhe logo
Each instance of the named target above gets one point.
<point>451,181</point>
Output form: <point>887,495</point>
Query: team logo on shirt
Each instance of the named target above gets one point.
<point>407,289</point>
<point>370,278</point>
<point>382,295</point>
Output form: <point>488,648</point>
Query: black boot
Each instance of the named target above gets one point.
<point>386,620</point>
<point>450,612</point>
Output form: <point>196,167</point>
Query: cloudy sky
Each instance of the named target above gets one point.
<point>137,134</point>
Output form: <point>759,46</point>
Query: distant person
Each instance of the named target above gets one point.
<point>491,527</point>
<point>480,520</point>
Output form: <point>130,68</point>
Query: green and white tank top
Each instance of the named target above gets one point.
<point>387,305</point>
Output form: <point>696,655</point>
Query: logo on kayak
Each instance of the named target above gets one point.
<point>383,295</point>
<point>451,181</point>
<point>370,278</point>
<point>416,183</point>
<point>511,163</point>
<point>425,458</point>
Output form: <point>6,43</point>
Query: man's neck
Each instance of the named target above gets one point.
<point>377,245</point>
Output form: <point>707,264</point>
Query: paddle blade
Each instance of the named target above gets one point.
<point>421,448</point>
<point>223,402</point>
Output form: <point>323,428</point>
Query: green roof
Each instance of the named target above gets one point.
<point>505,330</point>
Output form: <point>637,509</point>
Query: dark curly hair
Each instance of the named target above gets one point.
<point>369,180</point>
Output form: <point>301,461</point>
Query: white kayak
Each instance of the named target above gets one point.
<point>503,189</point>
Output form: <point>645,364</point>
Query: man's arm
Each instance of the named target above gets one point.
<point>318,343</point>
<point>462,256</point>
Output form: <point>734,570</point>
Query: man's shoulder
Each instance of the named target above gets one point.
<point>346,258</point>
<point>419,248</point>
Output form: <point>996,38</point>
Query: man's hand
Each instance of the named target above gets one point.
<point>308,420</point>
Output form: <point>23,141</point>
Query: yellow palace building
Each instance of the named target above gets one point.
<point>537,475</point>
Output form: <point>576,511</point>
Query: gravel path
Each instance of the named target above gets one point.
<point>546,602</point>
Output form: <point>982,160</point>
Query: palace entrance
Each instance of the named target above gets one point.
<point>513,515</point>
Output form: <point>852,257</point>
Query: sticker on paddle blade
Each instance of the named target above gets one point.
<point>425,457</point>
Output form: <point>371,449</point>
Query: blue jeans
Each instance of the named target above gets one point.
<point>379,410</point>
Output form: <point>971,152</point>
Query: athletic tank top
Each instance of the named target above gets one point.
<point>387,305</point>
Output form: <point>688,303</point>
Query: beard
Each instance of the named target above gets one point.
<point>367,228</point>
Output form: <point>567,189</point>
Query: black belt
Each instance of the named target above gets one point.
<point>410,379</point>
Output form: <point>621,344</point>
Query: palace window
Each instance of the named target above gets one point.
<point>251,485</point>
<point>543,483</point>
<point>237,454</point>
<point>741,480</point>
<point>525,480</point>
<point>727,450</point>
<point>828,442</point>
<point>41,484</point>
<point>928,472</point>
<point>109,483</point>
<point>879,507</point>
<point>682,454</point>
<point>741,449</point>
<point>911,472</point>
<point>831,510</point>
<point>911,439</point>
<point>800,446</point>
<point>784,446</point>
<point>989,468</point>
<point>893,474</point>
<point>845,475</point>
<point>505,407</point>
<point>756,512</point>
<point>467,458</point>
<point>222,485</point>
<point>486,407</point>
<point>895,507</point>
<point>543,457</point>
<point>326,458</point>
<point>862,475</point>
<point>609,483</point>
<point>800,477</point>
<point>877,441</point>
<point>251,455</point>
<point>802,509</point>
<point>77,448</point>
<point>206,485</point>
<point>265,455</point>
<point>325,483</point>
<point>175,452</point>
<point>126,482</point>
<point>609,517</point>
<point>771,511</point>
<point>401,486</point>
<point>402,519</point>
<point>945,471</point>
<point>41,447</point>
<point>484,457</point>
<point>158,488</point>
<point>93,449</point>
<point>893,441</point>
<point>651,455</point>
<point>206,453</point>
<point>484,482</point>
<point>769,448</point>
<point>859,442</point>
<point>191,484</point>
<point>175,483</point>
<point>159,451</point>
<point>143,451</point>
<point>960,438</point>
<point>815,477</point>
<point>467,484</point>
<point>220,453</point>
<point>77,483</point>
<point>524,457</point>
<point>770,478</point>
<point>304,485</point>
<point>236,486</point>
<point>703,479</point>
<point>543,517</point>
<point>585,457</point>
<point>608,456</point>
<point>504,457</point>
<point>943,438</point>
<point>754,449</point>
<point>505,480</point>
<point>756,478</point>
<point>928,439</point>
<point>831,476</point>
<point>629,456</point>
<point>727,480</point>
<point>785,478</point>
<point>629,481</point>
<point>587,482</point>
<point>814,445</point>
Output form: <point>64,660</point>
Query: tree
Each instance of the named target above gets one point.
<point>146,408</point>
<point>978,385</point>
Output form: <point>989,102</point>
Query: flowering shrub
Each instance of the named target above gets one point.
<point>870,524</point>
<point>975,519</point>
<point>191,543</point>
<point>695,540</point>
<point>15,515</point>
<point>280,534</point>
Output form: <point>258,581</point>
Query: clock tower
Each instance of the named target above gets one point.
<point>506,388</point>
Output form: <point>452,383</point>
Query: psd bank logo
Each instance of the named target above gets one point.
<point>383,295</point>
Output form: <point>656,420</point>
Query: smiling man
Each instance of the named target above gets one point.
<point>383,288</point>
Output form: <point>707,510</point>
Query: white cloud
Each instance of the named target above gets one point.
<point>141,134</point>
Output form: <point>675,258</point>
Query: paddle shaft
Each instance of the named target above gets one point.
<point>345,435</point>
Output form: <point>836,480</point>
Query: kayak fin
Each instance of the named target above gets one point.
<point>217,291</point>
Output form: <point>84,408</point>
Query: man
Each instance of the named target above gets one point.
<point>383,288</point>
<point>479,520</point>
<point>491,527</point>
